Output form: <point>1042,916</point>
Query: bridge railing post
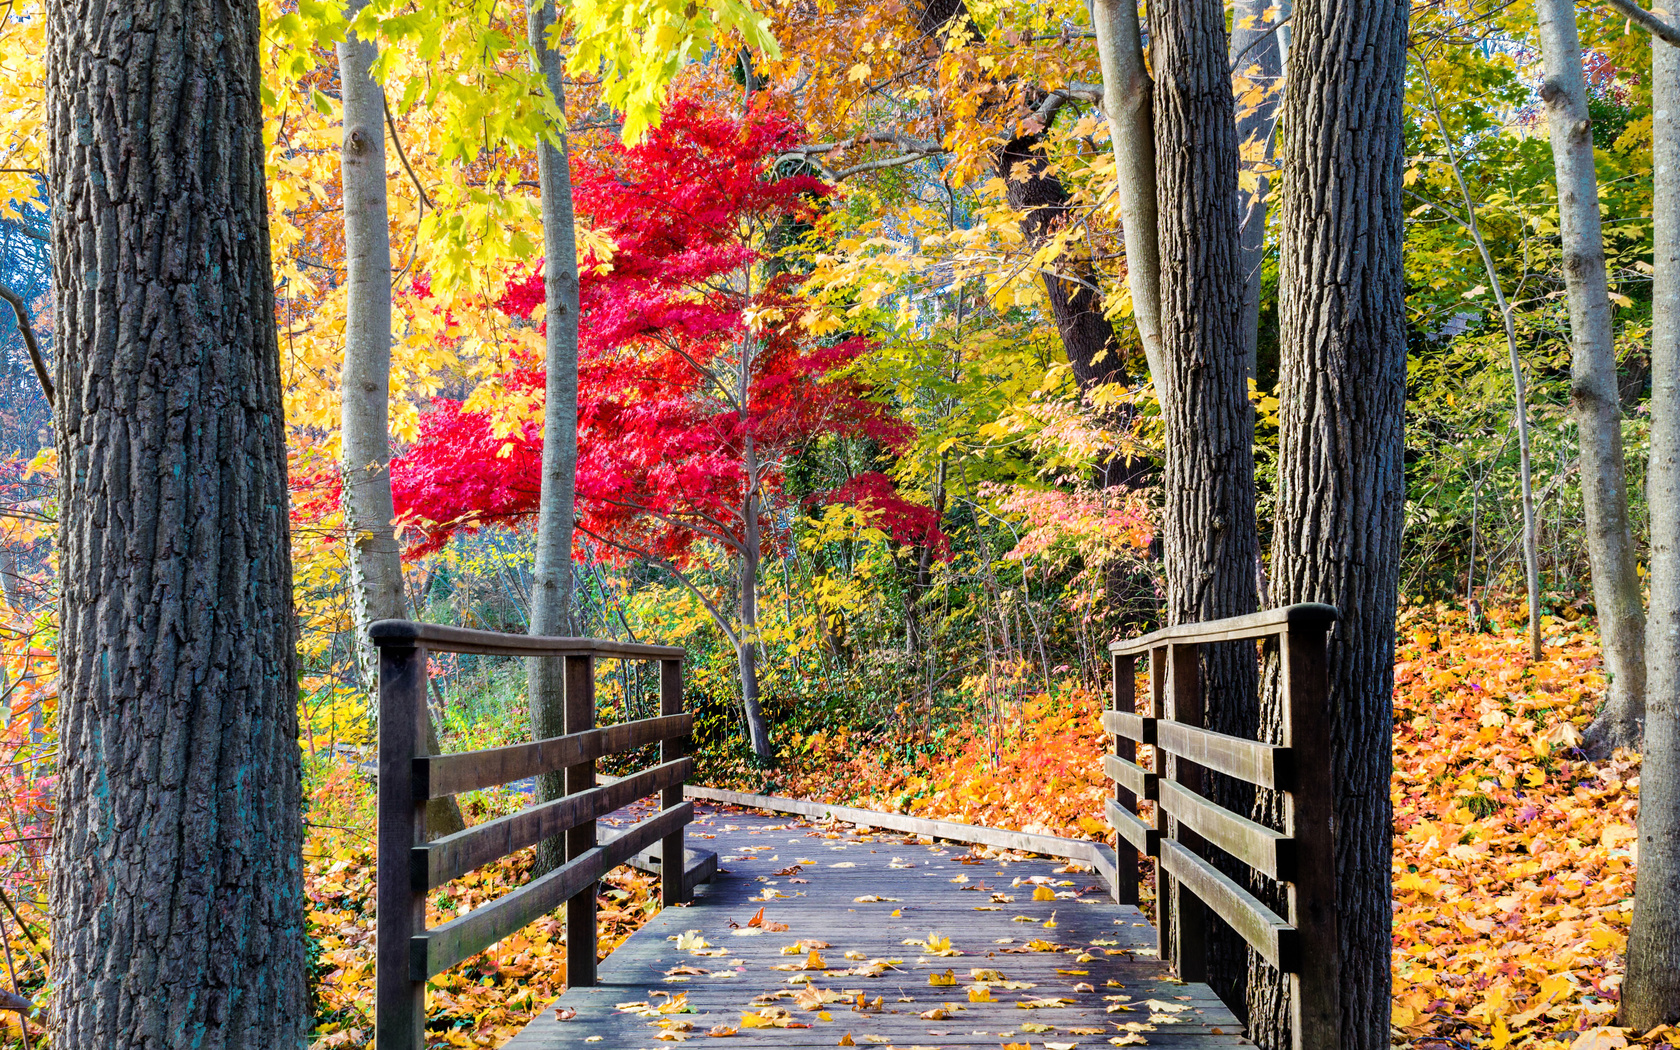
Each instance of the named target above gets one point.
<point>1184,705</point>
<point>1124,699</point>
<point>672,847</point>
<point>1309,819</point>
<point>400,906</point>
<point>581,934</point>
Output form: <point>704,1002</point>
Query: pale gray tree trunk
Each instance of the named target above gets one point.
<point>1596,400</point>
<point>1128,103</point>
<point>746,643</point>
<point>551,600</point>
<point>1651,990</point>
<point>1473,226</point>
<point>1256,54</point>
<point>376,584</point>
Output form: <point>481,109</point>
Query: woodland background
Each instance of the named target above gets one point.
<point>947,562</point>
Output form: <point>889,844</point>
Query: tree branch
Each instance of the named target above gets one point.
<point>1648,20</point>
<point>20,310</point>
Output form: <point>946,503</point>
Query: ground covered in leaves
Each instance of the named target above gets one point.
<point>1514,855</point>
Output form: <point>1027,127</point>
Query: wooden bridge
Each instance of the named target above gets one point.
<point>797,924</point>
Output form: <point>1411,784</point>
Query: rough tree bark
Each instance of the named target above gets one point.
<point>1594,396</point>
<point>1341,477</point>
<point>177,891</point>
<point>551,600</point>
<point>1256,55</point>
<point>1208,524</point>
<point>1651,990</point>
<point>376,584</point>
<point>1128,105</point>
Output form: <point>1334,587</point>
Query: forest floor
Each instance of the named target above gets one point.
<point>1513,854</point>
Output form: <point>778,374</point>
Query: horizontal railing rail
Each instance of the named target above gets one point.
<point>409,953</point>
<point>1305,945</point>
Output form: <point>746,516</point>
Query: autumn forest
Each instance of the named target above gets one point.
<point>777,406</point>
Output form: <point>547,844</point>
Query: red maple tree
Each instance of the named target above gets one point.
<point>698,380</point>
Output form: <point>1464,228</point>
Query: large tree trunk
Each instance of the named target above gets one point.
<point>1651,991</point>
<point>376,585</point>
<point>1597,404</point>
<point>1341,474</point>
<point>1255,54</point>
<point>551,602</point>
<point>1212,545</point>
<point>177,890</point>
<point>1128,105</point>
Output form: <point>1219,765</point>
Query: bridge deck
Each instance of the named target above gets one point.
<point>1103,956</point>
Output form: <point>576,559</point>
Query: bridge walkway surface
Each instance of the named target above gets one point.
<point>824,934</point>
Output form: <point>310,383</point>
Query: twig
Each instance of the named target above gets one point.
<point>1236,63</point>
<point>20,310</point>
<point>7,901</point>
<point>396,141</point>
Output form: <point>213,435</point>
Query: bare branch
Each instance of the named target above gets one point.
<point>20,310</point>
<point>1648,20</point>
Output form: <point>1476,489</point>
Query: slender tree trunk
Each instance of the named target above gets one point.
<point>1341,471</point>
<point>1129,107</point>
<point>746,646</point>
<point>177,889</point>
<point>1531,543</point>
<point>1651,991</point>
<point>376,583</point>
<point>551,603</point>
<point>1255,54</point>
<point>1596,400</point>
<point>1208,522</point>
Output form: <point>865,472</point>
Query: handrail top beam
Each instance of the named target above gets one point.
<point>406,634</point>
<point>1234,628</point>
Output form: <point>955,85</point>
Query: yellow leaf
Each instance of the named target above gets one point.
<point>1044,893</point>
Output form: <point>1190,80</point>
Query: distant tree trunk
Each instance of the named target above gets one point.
<point>176,888</point>
<point>1597,404</point>
<point>1255,54</point>
<point>551,601</point>
<point>1651,991</point>
<point>376,582</point>
<point>746,643</point>
<point>1341,472</point>
<point>1128,105</point>
<point>1211,540</point>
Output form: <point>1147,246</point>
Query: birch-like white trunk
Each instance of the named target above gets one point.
<point>551,598</point>
<point>1594,394</point>
<point>1128,103</point>
<point>376,585</point>
<point>1651,990</point>
<point>375,562</point>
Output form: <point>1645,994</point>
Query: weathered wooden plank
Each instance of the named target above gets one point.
<point>443,638</point>
<point>1274,939</point>
<point>1267,765</point>
<point>437,776</point>
<point>436,862</point>
<point>447,945</point>
<point>1235,628</point>
<point>1131,726</point>
<point>1256,845</point>
<point>1129,775</point>
<point>1143,838</point>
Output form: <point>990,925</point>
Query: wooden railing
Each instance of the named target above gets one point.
<point>409,866</point>
<point>1306,944</point>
